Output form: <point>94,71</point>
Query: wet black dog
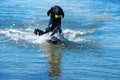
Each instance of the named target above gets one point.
<point>56,13</point>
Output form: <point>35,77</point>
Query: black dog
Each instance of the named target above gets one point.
<point>55,13</point>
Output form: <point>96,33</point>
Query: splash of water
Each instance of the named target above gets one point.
<point>27,35</point>
<point>76,36</point>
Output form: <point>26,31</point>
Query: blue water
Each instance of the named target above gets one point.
<point>92,28</point>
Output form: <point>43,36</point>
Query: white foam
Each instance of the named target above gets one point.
<point>29,36</point>
<point>72,34</point>
<point>26,35</point>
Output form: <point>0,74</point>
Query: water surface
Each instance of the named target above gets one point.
<point>91,27</point>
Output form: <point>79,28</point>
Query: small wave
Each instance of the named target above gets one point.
<point>73,32</point>
<point>76,36</point>
<point>1,42</point>
<point>27,35</point>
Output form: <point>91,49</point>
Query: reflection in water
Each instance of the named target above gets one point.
<point>54,60</point>
<point>54,55</point>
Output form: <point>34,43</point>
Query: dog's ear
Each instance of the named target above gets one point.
<point>50,11</point>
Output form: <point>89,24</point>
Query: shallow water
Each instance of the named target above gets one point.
<point>91,51</point>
